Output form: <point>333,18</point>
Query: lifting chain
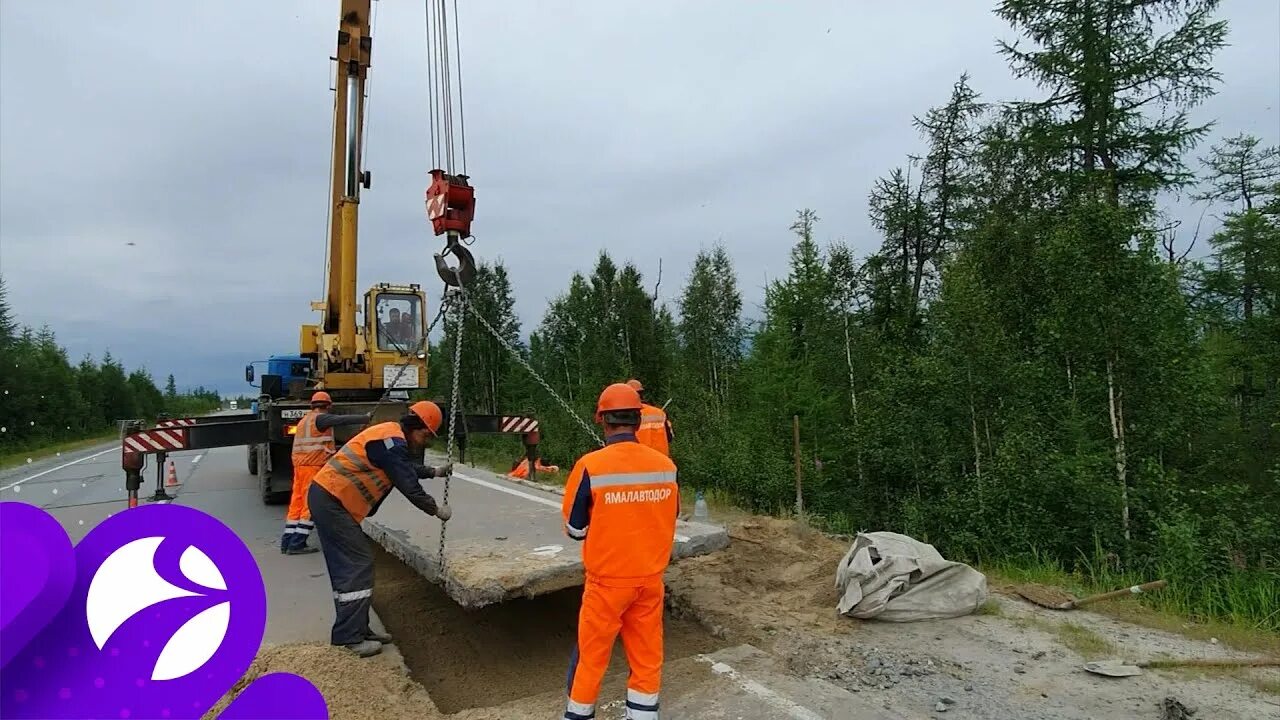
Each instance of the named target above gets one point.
<point>458,304</point>
<point>457,301</point>
<point>590,431</point>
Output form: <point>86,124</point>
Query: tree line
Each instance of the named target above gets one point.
<point>1034,364</point>
<point>47,399</point>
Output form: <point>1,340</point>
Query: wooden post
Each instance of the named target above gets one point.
<point>795,436</point>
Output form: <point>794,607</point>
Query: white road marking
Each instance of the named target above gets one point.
<point>545,501</point>
<point>196,459</point>
<point>55,469</point>
<point>500,488</point>
<point>793,710</point>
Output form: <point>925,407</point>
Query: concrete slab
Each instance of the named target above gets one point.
<point>504,541</point>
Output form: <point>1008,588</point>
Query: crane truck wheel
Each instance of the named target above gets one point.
<point>253,459</point>
<point>269,497</point>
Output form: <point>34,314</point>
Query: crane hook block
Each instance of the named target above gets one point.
<point>466,269</point>
<point>451,203</point>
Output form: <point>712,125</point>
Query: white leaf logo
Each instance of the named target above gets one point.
<point>127,583</point>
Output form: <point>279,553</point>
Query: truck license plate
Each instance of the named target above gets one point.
<point>292,414</point>
<point>407,379</point>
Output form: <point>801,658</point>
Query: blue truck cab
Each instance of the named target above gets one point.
<point>293,371</point>
<point>283,394</point>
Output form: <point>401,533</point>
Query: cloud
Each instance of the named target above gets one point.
<point>200,133</point>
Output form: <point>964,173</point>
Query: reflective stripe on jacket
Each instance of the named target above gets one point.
<point>311,445</point>
<point>622,501</point>
<point>349,476</point>
<point>654,429</point>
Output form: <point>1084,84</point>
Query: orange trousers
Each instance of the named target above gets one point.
<point>302,475</point>
<point>297,522</point>
<point>636,613</point>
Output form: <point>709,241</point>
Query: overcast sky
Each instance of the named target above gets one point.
<point>200,132</point>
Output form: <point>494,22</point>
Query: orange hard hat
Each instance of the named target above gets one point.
<point>429,413</point>
<point>321,397</point>
<point>636,384</point>
<point>618,396</point>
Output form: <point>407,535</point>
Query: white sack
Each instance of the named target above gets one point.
<point>893,577</point>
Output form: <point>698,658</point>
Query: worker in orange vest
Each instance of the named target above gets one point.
<point>520,470</point>
<point>312,447</point>
<point>349,488</point>
<point>655,429</point>
<point>621,501</point>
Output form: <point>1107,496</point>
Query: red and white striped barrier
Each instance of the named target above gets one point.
<point>185,422</point>
<point>518,424</point>
<point>157,440</point>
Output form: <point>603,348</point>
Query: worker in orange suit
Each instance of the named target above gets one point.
<point>351,487</point>
<point>621,501</point>
<point>520,470</point>
<point>655,429</point>
<point>312,447</point>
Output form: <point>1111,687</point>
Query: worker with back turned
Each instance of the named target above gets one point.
<point>350,488</point>
<point>621,501</point>
<point>655,429</point>
<point>313,445</point>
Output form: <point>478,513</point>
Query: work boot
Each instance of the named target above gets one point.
<point>301,550</point>
<point>367,648</point>
<point>383,638</point>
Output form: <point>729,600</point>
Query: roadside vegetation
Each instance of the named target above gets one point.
<point>48,405</point>
<point>1037,369</point>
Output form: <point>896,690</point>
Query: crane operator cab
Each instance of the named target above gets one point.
<point>391,351</point>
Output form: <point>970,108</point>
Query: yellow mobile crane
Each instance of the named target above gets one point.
<point>367,368</point>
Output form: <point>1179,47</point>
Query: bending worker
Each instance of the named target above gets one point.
<point>621,501</point>
<point>312,447</point>
<point>655,429</point>
<point>350,488</point>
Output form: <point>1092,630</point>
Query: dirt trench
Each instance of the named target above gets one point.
<point>486,657</point>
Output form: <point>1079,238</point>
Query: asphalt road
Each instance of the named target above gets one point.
<point>82,488</point>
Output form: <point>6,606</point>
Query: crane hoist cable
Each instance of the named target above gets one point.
<point>450,201</point>
<point>450,198</point>
<point>444,67</point>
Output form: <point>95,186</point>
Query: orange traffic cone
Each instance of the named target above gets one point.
<point>172,480</point>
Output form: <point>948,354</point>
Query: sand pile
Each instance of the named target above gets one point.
<point>773,576</point>
<point>372,689</point>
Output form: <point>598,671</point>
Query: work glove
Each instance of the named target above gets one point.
<point>444,513</point>
<point>444,470</point>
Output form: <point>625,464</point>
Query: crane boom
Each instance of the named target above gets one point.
<point>354,47</point>
<point>359,360</point>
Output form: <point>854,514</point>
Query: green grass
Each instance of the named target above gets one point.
<point>1084,642</point>
<point>1240,609</point>
<point>990,607</point>
<point>15,456</point>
